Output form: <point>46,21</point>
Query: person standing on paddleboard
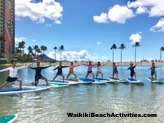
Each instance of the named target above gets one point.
<point>99,71</point>
<point>89,70</point>
<point>71,71</point>
<point>38,74</point>
<point>60,71</point>
<point>153,72</point>
<point>132,72</point>
<point>115,71</point>
<point>12,75</point>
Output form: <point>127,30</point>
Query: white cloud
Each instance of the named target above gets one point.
<point>159,27</point>
<point>154,7</point>
<point>120,14</point>
<point>33,40</point>
<point>141,10</point>
<point>19,39</point>
<point>75,55</point>
<point>103,18</point>
<point>135,38</point>
<point>98,43</point>
<point>117,14</point>
<point>49,9</point>
<point>70,55</point>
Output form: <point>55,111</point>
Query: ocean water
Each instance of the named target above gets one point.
<point>52,106</point>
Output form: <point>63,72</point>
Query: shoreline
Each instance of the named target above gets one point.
<point>80,63</point>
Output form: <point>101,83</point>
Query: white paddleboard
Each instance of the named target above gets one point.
<point>155,80</point>
<point>59,85</point>
<point>100,81</point>
<point>57,81</point>
<point>135,81</point>
<point>111,79</point>
<point>25,89</point>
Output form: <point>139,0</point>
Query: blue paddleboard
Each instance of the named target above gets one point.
<point>83,80</point>
<point>8,118</point>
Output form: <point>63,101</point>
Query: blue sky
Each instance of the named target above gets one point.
<point>88,28</point>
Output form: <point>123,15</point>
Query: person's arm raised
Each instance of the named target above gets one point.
<point>6,69</point>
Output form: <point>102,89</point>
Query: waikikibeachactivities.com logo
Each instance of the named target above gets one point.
<point>74,115</point>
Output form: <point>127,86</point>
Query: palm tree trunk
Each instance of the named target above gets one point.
<point>61,56</point>
<point>121,55</point>
<point>160,55</point>
<point>135,54</point>
<point>55,55</point>
<point>113,55</point>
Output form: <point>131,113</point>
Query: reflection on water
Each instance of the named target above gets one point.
<point>52,105</point>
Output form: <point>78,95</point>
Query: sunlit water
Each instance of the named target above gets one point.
<point>51,106</point>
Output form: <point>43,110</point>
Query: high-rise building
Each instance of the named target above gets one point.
<point>7,28</point>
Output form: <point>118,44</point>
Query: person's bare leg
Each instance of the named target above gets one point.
<point>101,75</point>
<point>155,76</point>
<point>87,75</point>
<point>75,76</point>
<point>92,75</point>
<point>45,79</point>
<point>116,75</point>
<point>97,74</point>
<point>135,75</point>
<point>113,75</point>
<point>152,77</point>
<point>68,75</point>
<point>20,83</point>
<point>4,84</point>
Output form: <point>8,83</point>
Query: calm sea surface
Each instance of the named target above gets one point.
<point>52,106</point>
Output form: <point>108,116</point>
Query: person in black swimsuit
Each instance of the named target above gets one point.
<point>153,72</point>
<point>38,74</point>
<point>132,72</point>
<point>59,72</point>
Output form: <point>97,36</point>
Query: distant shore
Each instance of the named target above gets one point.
<point>80,63</point>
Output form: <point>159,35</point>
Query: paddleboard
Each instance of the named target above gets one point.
<point>134,80</point>
<point>100,81</point>
<point>25,89</point>
<point>59,85</point>
<point>155,80</point>
<point>8,118</point>
<point>83,80</point>
<point>111,79</point>
<point>57,81</point>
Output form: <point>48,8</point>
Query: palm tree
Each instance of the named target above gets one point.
<point>55,48</point>
<point>30,50</point>
<point>35,48</point>
<point>38,50</point>
<point>43,48</point>
<point>21,46</point>
<point>161,49</point>
<point>122,47</point>
<point>113,47</point>
<point>61,49</point>
<point>137,44</point>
